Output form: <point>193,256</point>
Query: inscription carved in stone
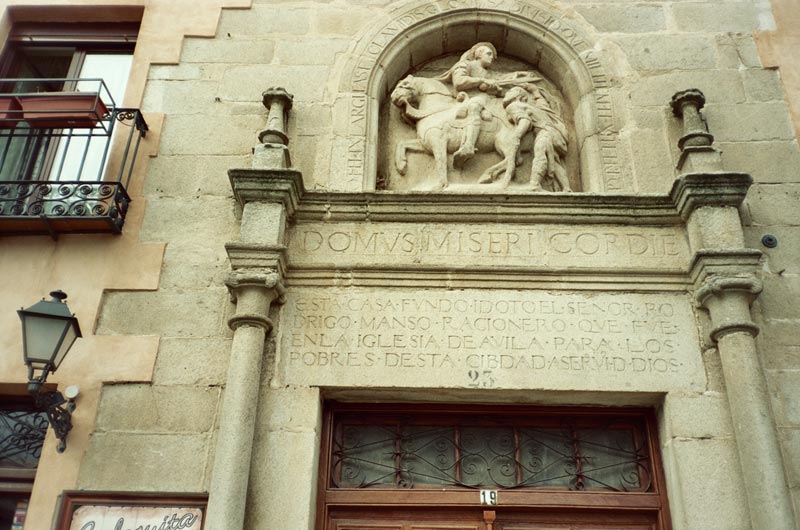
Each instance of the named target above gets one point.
<point>476,245</point>
<point>470,111</point>
<point>505,339</point>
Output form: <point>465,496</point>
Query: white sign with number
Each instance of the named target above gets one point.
<point>489,497</point>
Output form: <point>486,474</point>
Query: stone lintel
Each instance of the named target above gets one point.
<point>283,186</point>
<point>250,256</point>
<point>694,190</point>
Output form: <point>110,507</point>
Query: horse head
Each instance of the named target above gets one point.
<point>403,96</point>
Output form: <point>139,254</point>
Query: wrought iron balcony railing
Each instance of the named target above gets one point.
<point>66,157</point>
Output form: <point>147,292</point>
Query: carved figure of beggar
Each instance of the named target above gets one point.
<point>465,111</point>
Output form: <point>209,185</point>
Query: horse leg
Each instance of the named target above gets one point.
<point>507,144</point>
<point>493,172</point>
<point>511,153</point>
<point>400,159</point>
<point>438,145</point>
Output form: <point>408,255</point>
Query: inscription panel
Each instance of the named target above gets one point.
<point>554,246</point>
<point>489,339</point>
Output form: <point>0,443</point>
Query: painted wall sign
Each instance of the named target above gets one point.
<point>109,511</point>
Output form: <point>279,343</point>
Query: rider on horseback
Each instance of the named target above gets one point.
<point>470,77</point>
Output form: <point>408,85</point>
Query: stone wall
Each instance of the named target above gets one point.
<point>770,211</point>
<point>211,103</point>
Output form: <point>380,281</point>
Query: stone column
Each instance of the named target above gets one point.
<point>727,297</point>
<point>254,291</point>
<point>268,194</point>
<point>725,283</point>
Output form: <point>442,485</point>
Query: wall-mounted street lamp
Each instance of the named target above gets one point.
<point>48,332</point>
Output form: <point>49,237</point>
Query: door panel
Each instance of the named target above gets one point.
<point>549,526</point>
<point>474,518</point>
<point>445,527</point>
<point>358,526</point>
<point>407,525</point>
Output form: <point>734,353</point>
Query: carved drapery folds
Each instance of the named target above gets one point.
<point>477,122</point>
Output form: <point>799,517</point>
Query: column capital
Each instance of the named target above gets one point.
<point>277,94</point>
<point>692,96</point>
<point>726,284</point>
<point>709,265</point>
<point>253,291</point>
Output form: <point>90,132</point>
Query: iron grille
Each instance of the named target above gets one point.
<point>491,453</point>
<point>22,435</point>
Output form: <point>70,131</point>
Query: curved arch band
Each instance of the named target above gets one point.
<point>561,48</point>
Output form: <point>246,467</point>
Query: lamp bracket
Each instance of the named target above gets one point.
<point>59,414</point>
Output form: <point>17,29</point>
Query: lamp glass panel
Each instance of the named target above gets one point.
<point>66,344</point>
<point>42,336</point>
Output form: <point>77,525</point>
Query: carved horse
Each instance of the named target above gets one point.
<point>429,105</point>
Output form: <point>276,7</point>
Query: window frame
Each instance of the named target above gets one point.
<point>651,504</point>
<point>75,40</point>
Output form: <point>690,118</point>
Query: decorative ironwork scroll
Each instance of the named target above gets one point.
<point>22,435</point>
<point>64,199</point>
<point>497,456</point>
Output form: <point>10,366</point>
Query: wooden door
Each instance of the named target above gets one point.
<point>477,519</point>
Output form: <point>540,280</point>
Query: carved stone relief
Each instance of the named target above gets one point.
<point>480,123</point>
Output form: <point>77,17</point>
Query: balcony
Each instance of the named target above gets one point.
<point>66,157</point>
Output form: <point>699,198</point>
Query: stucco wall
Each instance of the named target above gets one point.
<point>89,266</point>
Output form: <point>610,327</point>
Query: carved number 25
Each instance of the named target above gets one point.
<point>481,379</point>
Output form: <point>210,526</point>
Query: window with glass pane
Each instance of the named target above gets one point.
<point>22,432</point>
<point>53,60</point>
<point>582,453</point>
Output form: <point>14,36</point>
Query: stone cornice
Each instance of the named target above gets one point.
<point>689,192</point>
<point>694,190</point>
<point>581,208</point>
<point>283,186</point>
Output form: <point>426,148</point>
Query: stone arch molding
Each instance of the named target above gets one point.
<point>416,31</point>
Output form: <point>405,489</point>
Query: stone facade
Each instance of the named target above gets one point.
<point>277,258</point>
